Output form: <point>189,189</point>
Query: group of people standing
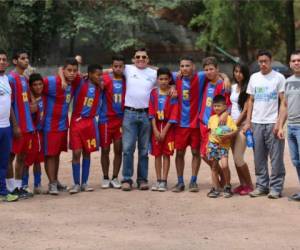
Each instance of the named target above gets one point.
<point>140,105</point>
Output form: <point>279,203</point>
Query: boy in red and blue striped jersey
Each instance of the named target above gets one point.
<point>163,112</point>
<point>36,156</point>
<point>22,142</point>
<point>84,137</point>
<point>57,99</point>
<point>110,120</point>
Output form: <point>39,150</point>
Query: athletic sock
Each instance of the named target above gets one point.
<point>85,170</point>
<point>25,179</point>
<point>37,179</point>
<point>76,173</point>
<point>18,184</point>
<point>10,184</point>
<point>115,177</point>
<point>180,179</point>
<point>193,179</point>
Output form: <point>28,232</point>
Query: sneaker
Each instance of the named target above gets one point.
<point>26,188</point>
<point>246,190</point>
<point>126,186</point>
<point>38,190</point>
<point>193,187</point>
<point>85,188</point>
<point>53,189</point>
<point>213,193</point>
<point>155,186</point>
<point>162,186</point>
<point>179,187</point>
<point>294,197</point>
<point>143,186</point>
<point>227,193</point>
<point>105,183</point>
<point>257,193</point>
<point>238,189</point>
<point>24,194</point>
<point>114,183</point>
<point>75,189</point>
<point>61,187</point>
<point>10,198</point>
<point>274,195</point>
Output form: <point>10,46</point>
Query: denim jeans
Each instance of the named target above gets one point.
<point>267,145</point>
<point>5,147</point>
<point>294,146</point>
<point>136,128</point>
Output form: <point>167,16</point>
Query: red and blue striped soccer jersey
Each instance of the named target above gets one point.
<point>57,103</point>
<point>189,99</point>
<point>38,117</point>
<point>86,100</point>
<point>211,90</point>
<point>163,107</point>
<point>113,97</point>
<point>20,101</point>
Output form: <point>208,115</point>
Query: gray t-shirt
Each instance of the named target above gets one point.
<point>292,95</point>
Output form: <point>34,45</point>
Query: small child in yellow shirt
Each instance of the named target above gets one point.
<point>218,146</point>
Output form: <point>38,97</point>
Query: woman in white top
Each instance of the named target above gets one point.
<point>238,99</point>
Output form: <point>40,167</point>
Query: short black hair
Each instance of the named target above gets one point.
<point>35,77</point>
<point>93,67</point>
<point>186,58</point>
<point>70,61</point>
<point>3,52</point>
<point>141,49</point>
<point>211,60</point>
<point>118,58</point>
<point>264,52</point>
<point>165,71</point>
<point>296,52</point>
<point>219,99</point>
<point>18,52</point>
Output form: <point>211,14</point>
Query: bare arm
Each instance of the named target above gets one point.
<point>155,130</point>
<point>242,116</point>
<point>249,113</point>
<point>13,120</point>
<point>165,131</point>
<point>282,117</point>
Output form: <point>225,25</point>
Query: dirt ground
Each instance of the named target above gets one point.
<point>112,219</point>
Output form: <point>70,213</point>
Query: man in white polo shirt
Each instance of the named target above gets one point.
<point>140,80</point>
<point>5,130</point>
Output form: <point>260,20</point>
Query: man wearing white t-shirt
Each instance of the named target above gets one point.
<point>5,130</point>
<point>266,89</point>
<point>140,80</point>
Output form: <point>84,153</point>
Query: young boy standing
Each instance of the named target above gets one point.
<point>36,156</point>
<point>218,146</point>
<point>57,100</point>
<point>84,137</point>
<point>22,141</point>
<point>163,112</point>
<point>110,121</point>
<point>214,86</point>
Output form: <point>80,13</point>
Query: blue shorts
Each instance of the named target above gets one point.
<point>215,152</point>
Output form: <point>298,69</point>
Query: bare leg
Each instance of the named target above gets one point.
<point>179,161</point>
<point>158,167</point>
<point>118,158</point>
<point>166,167</point>
<point>105,161</point>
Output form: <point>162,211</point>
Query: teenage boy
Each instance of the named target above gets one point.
<point>84,137</point>
<point>36,156</point>
<point>215,85</point>
<point>266,90</point>
<point>22,142</point>
<point>189,86</point>
<point>57,99</point>
<point>292,113</point>
<point>5,129</point>
<point>110,120</point>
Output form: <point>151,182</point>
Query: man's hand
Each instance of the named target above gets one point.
<point>280,134</point>
<point>173,92</point>
<point>276,129</point>
<point>157,135</point>
<point>226,80</point>
<point>223,118</point>
<point>64,83</point>
<point>17,132</point>
<point>246,127</point>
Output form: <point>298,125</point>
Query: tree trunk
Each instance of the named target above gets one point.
<point>289,25</point>
<point>241,32</point>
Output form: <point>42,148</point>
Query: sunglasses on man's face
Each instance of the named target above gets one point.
<point>140,57</point>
